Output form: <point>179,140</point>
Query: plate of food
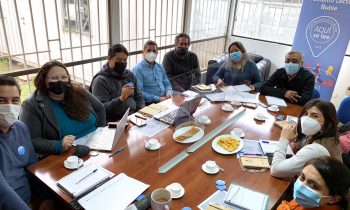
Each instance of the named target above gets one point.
<point>227,144</point>
<point>188,134</point>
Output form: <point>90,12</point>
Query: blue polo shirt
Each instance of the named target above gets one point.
<point>152,80</point>
<point>16,153</point>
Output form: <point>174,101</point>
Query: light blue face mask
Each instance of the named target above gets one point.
<point>305,196</point>
<point>236,56</point>
<point>291,68</point>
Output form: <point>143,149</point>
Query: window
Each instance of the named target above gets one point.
<point>273,20</point>
<point>76,15</point>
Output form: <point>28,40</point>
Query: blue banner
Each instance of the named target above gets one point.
<point>323,35</point>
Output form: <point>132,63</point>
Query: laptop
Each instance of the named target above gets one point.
<point>180,115</point>
<point>104,138</point>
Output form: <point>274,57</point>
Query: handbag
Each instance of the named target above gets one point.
<point>344,140</point>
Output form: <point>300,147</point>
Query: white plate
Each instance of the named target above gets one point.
<point>271,110</point>
<point>182,192</point>
<point>223,107</point>
<point>155,148</point>
<point>207,122</point>
<point>205,169</point>
<point>70,167</point>
<point>233,133</point>
<point>194,138</point>
<point>221,150</point>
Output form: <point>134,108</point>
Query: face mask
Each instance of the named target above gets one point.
<point>119,67</point>
<point>58,87</point>
<point>236,56</point>
<point>150,57</point>
<point>305,196</point>
<point>182,50</point>
<point>309,126</point>
<point>8,114</point>
<point>291,68</point>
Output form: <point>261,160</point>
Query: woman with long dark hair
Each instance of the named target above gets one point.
<point>59,110</point>
<point>313,136</point>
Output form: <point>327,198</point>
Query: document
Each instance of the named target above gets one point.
<point>276,101</point>
<point>84,179</point>
<point>245,198</point>
<point>116,194</point>
<point>269,147</point>
<point>252,147</point>
<point>217,198</point>
<point>152,127</point>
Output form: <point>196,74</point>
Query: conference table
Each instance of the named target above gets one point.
<point>142,164</point>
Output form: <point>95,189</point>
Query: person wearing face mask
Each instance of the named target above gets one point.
<point>238,69</point>
<point>293,82</point>
<point>323,184</point>
<point>151,77</point>
<point>116,87</point>
<point>59,111</point>
<point>313,136</point>
<point>181,65</point>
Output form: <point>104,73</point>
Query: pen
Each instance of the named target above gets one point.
<point>86,176</point>
<point>117,151</point>
<point>262,105</point>
<point>265,142</point>
<point>141,117</point>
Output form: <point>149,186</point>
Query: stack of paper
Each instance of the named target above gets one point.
<point>276,101</point>
<point>152,110</point>
<point>269,147</point>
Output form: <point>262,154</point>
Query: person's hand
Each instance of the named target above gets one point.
<point>292,95</point>
<point>169,94</point>
<point>289,132</point>
<point>67,142</point>
<point>126,92</point>
<point>252,87</point>
<point>219,83</point>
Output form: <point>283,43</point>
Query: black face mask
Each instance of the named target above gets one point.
<point>182,50</point>
<point>119,67</point>
<point>58,87</point>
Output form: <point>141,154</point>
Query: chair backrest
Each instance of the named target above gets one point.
<point>344,110</point>
<point>315,94</point>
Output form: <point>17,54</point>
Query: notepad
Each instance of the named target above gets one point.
<point>276,101</point>
<point>245,198</point>
<point>254,162</point>
<point>152,110</point>
<point>269,147</point>
<point>84,179</point>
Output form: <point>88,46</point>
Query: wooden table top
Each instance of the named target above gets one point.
<point>143,165</point>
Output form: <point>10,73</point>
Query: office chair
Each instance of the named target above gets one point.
<point>344,110</point>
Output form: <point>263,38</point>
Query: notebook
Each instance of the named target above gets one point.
<point>245,198</point>
<point>84,180</point>
<point>269,147</point>
<point>254,162</point>
<point>104,138</point>
<point>276,101</point>
<point>152,110</point>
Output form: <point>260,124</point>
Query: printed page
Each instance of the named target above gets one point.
<point>152,127</point>
<point>246,198</point>
<point>276,101</point>
<point>269,147</point>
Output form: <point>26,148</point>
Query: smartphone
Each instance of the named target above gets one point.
<point>138,121</point>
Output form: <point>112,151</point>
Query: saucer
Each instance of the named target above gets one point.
<point>70,167</point>
<point>242,134</point>
<point>271,110</point>
<point>174,196</point>
<point>205,169</point>
<point>155,148</point>
<point>207,122</point>
<point>227,109</point>
<point>260,118</point>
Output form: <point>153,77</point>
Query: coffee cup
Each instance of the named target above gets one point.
<point>203,118</point>
<point>175,189</point>
<point>161,199</point>
<point>152,143</point>
<point>274,107</point>
<point>238,131</point>
<point>211,165</point>
<point>72,161</point>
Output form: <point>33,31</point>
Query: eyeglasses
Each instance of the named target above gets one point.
<point>57,78</point>
<point>292,61</point>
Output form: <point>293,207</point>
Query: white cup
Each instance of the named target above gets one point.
<point>238,131</point>
<point>175,189</point>
<point>152,143</point>
<point>73,161</point>
<point>203,118</point>
<point>274,107</point>
<point>211,165</point>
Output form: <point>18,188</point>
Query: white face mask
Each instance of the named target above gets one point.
<point>8,114</point>
<point>309,126</point>
<point>150,57</point>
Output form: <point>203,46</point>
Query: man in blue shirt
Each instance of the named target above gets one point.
<point>151,76</point>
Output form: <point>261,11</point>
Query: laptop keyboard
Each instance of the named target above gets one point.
<point>169,118</point>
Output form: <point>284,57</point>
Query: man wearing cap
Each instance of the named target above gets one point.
<point>151,77</point>
<point>181,65</point>
<point>116,87</point>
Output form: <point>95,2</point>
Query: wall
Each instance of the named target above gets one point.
<point>276,53</point>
